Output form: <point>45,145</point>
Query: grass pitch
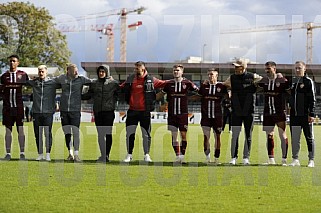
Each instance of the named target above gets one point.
<point>60,186</point>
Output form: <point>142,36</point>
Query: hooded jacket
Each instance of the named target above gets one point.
<point>44,95</point>
<point>144,101</point>
<point>104,91</point>
<point>70,100</point>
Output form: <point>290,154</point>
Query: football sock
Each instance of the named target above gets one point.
<point>207,151</point>
<point>217,153</point>
<point>183,147</point>
<point>270,146</point>
<point>285,145</point>
<point>176,147</point>
<point>21,139</point>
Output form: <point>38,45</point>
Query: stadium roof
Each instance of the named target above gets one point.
<point>33,71</point>
<point>125,68</point>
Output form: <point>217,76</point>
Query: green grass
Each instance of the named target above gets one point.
<point>61,186</point>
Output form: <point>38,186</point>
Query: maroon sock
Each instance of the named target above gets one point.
<point>183,147</point>
<point>217,145</point>
<point>285,154</point>
<point>270,146</point>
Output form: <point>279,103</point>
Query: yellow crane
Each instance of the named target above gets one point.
<point>309,26</point>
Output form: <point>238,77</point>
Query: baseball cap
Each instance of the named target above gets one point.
<point>240,63</point>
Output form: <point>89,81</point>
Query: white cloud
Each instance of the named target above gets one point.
<point>165,20</point>
<point>155,8</point>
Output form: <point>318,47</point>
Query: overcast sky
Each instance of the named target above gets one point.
<point>175,29</point>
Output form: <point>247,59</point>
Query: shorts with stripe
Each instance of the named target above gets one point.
<point>272,120</point>
<point>12,115</point>
<point>215,123</point>
<point>176,122</point>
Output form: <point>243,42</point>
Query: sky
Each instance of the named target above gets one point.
<point>176,29</point>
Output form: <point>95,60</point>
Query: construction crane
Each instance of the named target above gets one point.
<point>106,29</point>
<point>123,30</point>
<point>309,26</point>
<point>103,29</point>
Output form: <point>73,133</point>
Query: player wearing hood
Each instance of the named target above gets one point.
<point>104,92</point>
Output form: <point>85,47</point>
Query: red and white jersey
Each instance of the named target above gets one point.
<point>274,94</point>
<point>212,96</point>
<point>11,88</point>
<point>177,95</point>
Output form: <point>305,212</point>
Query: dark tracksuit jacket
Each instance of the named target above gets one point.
<point>302,103</point>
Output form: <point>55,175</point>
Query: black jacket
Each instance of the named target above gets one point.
<point>302,100</point>
<point>104,92</point>
<point>149,90</point>
<point>243,93</point>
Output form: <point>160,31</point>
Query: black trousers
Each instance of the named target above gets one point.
<point>104,122</point>
<point>132,120</point>
<point>70,122</point>
<point>227,117</point>
<point>237,122</point>
<point>42,123</point>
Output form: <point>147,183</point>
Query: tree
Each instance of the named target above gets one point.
<point>30,32</point>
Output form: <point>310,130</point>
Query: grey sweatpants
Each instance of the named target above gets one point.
<point>297,124</point>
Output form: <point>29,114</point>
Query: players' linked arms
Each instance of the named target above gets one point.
<point>206,82</point>
<point>257,78</point>
<point>195,97</point>
<point>160,95</point>
<point>259,89</point>
<point>227,83</point>
<point>159,83</point>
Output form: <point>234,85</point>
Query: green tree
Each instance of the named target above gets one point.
<point>30,32</point>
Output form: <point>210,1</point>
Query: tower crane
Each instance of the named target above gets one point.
<point>103,29</point>
<point>309,26</point>
<point>106,29</point>
<point>123,32</point>
<point>110,41</point>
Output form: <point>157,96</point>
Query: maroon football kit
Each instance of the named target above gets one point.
<point>11,90</point>
<point>211,107</point>
<point>178,109</point>
<point>177,103</point>
<point>274,109</point>
<point>212,115</point>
